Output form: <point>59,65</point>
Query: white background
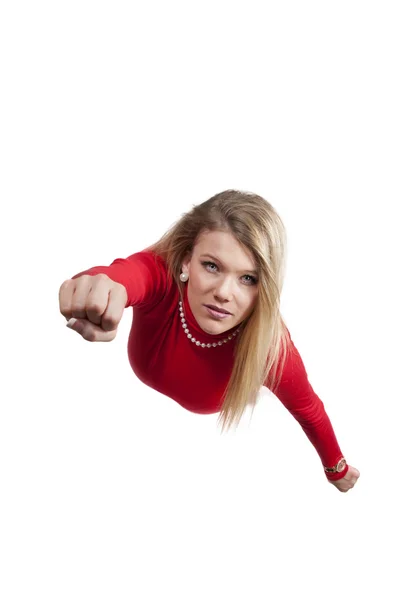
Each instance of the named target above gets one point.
<point>116,118</point>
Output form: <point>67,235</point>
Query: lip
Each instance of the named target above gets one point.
<point>216,314</point>
<point>221,310</point>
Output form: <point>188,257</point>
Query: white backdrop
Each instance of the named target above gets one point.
<point>116,118</point>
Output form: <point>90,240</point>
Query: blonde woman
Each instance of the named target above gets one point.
<point>207,328</point>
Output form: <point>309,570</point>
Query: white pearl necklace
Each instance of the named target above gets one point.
<point>189,335</point>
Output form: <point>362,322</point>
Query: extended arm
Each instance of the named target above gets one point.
<point>297,395</point>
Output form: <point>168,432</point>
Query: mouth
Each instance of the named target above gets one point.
<point>215,312</point>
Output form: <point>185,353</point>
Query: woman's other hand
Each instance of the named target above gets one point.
<point>348,481</point>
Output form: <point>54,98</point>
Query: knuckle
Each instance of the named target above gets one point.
<point>78,306</point>
<point>94,308</point>
<point>109,324</point>
<point>64,285</point>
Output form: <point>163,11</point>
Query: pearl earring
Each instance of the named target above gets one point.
<point>184,276</point>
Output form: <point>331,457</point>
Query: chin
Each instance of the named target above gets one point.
<point>211,330</point>
<point>217,328</point>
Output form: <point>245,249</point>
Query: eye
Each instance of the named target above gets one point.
<point>208,263</point>
<point>253,279</point>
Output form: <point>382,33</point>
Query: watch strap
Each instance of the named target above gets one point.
<point>338,467</point>
<point>333,474</point>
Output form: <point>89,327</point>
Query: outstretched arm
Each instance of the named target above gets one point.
<point>297,395</point>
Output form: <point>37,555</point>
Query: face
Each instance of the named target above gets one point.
<point>228,280</point>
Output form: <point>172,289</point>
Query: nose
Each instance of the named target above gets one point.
<point>224,290</point>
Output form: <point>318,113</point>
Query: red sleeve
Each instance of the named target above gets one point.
<point>296,394</point>
<point>143,274</point>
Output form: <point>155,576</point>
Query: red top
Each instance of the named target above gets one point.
<point>165,359</point>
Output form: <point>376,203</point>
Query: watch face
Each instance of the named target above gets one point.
<point>340,465</point>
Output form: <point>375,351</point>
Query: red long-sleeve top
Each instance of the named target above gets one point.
<point>165,359</point>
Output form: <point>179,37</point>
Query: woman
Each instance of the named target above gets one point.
<point>207,329</point>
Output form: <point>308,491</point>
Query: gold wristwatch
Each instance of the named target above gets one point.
<point>337,468</point>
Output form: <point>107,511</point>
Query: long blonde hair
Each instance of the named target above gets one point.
<point>262,343</point>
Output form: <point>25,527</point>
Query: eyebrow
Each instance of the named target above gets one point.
<point>218,260</point>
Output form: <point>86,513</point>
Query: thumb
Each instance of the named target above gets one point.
<point>75,325</point>
<point>91,332</point>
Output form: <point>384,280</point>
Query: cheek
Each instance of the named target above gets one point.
<point>250,304</point>
<point>198,287</point>
<point>200,281</point>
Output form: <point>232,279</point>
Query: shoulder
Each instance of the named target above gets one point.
<point>150,259</point>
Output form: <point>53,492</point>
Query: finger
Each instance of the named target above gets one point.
<point>115,308</point>
<point>91,332</point>
<point>97,300</point>
<point>79,297</point>
<point>65,296</point>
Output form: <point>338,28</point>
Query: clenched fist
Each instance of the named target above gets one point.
<point>96,302</point>
<point>348,481</point>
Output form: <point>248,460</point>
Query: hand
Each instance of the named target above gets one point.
<point>348,481</point>
<point>98,304</point>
